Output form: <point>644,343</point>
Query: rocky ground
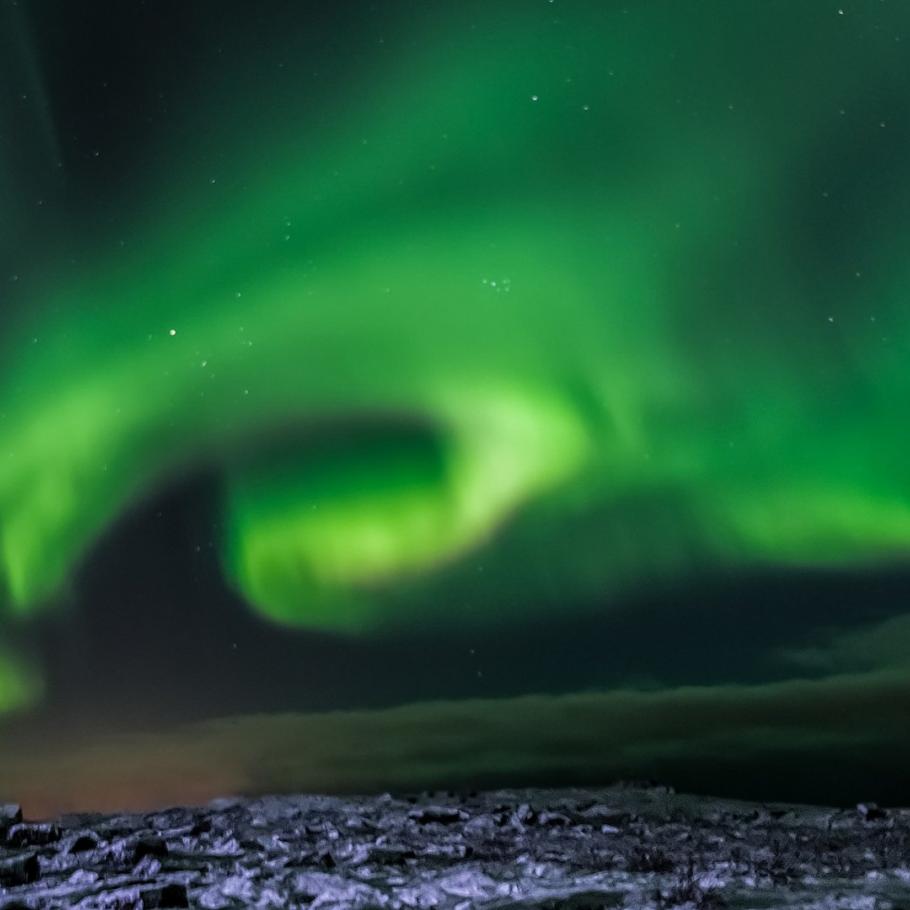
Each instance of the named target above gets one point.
<point>621,847</point>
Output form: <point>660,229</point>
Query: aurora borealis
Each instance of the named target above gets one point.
<point>419,328</point>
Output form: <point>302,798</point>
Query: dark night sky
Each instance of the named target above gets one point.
<point>451,369</point>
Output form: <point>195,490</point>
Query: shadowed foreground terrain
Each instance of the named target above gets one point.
<point>624,847</point>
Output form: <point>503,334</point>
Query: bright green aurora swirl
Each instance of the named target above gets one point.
<point>618,288</point>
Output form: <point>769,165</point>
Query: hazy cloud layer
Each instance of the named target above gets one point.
<point>744,733</point>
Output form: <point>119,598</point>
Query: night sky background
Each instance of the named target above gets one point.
<point>422,394</point>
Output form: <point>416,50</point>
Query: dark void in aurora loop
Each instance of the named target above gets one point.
<point>526,382</point>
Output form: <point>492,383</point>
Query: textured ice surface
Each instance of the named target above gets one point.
<point>624,847</point>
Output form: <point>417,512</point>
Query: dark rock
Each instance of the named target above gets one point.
<point>438,815</point>
<point>32,835</point>
<point>583,900</point>
<point>689,893</point>
<point>83,844</point>
<point>172,895</point>
<point>650,861</point>
<point>201,826</point>
<point>553,819</point>
<point>326,860</point>
<point>149,846</point>
<point>10,814</point>
<point>22,869</point>
<point>871,812</point>
<point>604,815</point>
<point>391,855</point>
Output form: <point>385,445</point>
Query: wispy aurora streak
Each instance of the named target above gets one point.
<point>539,261</point>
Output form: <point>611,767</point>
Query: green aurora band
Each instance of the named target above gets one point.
<point>553,275</point>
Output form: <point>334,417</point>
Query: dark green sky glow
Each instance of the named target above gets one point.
<point>424,325</point>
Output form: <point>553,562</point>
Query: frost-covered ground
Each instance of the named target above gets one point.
<point>623,847</point>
